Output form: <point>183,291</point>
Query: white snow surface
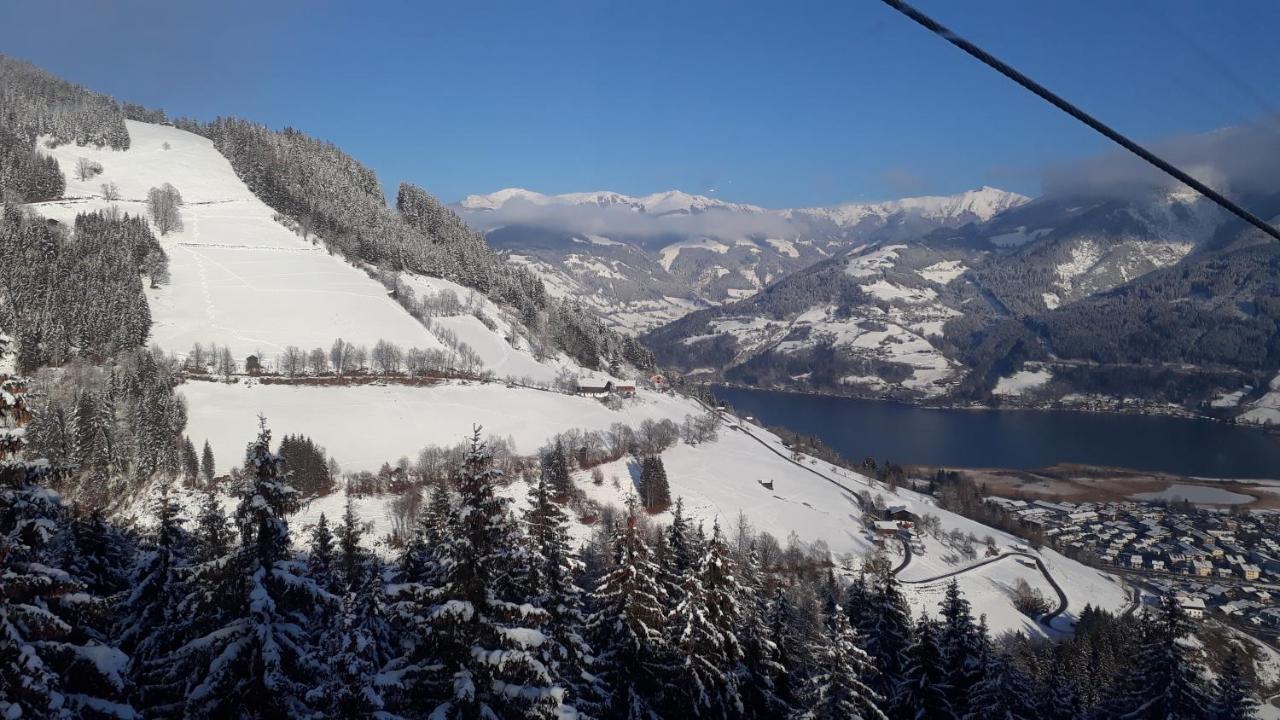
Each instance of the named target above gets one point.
<point>367,425</point>
<point>1022,381</point>
<point>1266,409</point>
<point>943,272</point>
<point>1198,494</point>
<point>363,426</point>
<point>239,278</point>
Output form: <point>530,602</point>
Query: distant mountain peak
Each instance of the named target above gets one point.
<point>981,204</point>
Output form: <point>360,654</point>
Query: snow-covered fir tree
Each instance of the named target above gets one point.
<point>838,686</point>
<point>1232,695</point>
<point>926,690</point>
<point>626,626</point>
<point>555,563</point>
<point>255,657</point>
<point>481,653</point>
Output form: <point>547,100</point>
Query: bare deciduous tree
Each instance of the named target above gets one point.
<point>164,202</point>
<point>87,169</point>
<point>293,360</point>
<point>110,192</point>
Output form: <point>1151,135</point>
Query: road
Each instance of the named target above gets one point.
<point>1046,619</point>
<point>741,427</point>
<point>906,553</point>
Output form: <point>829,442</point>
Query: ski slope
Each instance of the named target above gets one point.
<point>238,277</point>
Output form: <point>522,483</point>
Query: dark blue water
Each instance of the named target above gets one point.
<point>1020,439</point>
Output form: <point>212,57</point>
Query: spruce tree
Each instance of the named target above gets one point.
<point>356,648</point>
<point>1003,693</point>
<point>565,653</point>
<point>150,626</point>
<point>555,466</point>
<point>837,690</point>
<point>190,462</point>
<point>885,631</point>
<point>207,468</point>
<point>925,692</point>
<point>1166,680</point>
<point>484,638</point>
<point>320,560</point>
<point>256,659</point>
<point>760,671</point>
<point>703,636</point>
<point>1232,695</point>
<point>352,558</point>
<point>626,626</point>
<point>962,644</point>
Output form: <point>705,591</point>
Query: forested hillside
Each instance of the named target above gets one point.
<point>330,195</point>
<point>1151,297</point>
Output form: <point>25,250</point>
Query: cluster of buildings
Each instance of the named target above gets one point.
<point>1214,562</point>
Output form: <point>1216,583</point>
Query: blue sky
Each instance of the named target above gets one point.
<point>778,104</point>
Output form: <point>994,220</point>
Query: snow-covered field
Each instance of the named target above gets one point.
<point>239,278</point>
<point>1021,382</point>
<point>364,426</point>
<point>367,425</point>
<point>1197,494</point>
<point>1266,409</point>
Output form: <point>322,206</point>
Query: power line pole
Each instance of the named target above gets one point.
<point>1084,117</point>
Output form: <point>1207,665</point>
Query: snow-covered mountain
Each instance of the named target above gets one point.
<point>660,203</point>
<point>644,261</point>
<point>1089,288</point>
<point>973,205</point>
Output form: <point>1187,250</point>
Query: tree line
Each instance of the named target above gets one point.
<point>52,272</point>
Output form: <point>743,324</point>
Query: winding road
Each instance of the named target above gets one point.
<point>1046,619</point>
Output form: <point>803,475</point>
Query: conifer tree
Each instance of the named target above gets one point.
<point>885,631</point>
<point>1232,696</point>
<point>356,648</point>
<point>626,626</point>
<point>760,671</point>
<point>351,556</point>
<point>256,659</point>
<point>555,467</point>
<point>654,489</point>
<point>565,653</point>
<point>207,468</point>
<point>483,638</point>
<point>703,639</point>
<point>838,689</point>
<point>679,537</point>
<point>320,560</point>
<point>213,537</point>
<point>1166,682</point>
<point>962,645</point>
<point>150,627</point>
<point>925,693</point>
<point>190,462</point>
<point>1003,693</point>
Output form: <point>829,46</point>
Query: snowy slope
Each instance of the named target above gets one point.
<point>239,278</point>
<point>362,427</point>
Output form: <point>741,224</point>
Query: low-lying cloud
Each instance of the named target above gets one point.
<point>620,220</point>
<point>1243,160</point>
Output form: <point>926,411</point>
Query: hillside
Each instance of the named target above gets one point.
<point>241,279</point>
<point>645,261</point>
<point>1154,297</point>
